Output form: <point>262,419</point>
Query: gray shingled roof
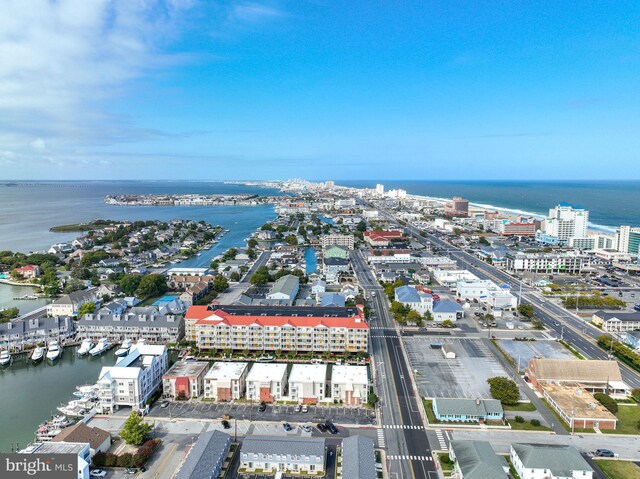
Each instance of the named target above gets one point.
<point>286,285</point>
<point>358,458</point>
<point>478,460</point>
<point>561,460</point>
<point>203,455</point>
<point>299,446</point>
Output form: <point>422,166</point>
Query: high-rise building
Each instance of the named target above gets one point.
<point>628,240</point>
<point>379,189</point>
<point>457,207</point>
<point>567,221</point>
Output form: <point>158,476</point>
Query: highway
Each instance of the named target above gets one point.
<point>574,330</point>
<point>403,435</point>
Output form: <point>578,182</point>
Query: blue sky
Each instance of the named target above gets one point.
<point>319,89</point>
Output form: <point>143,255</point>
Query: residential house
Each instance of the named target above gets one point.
<point>616,322</point>
<point>99,440</point>
<point>333,300</point>
<point>477,460</point>
<point>415,298</point>
<point>289,455</point>
<point>345,241</point>
<point>336,252</point>
<point>185,379</point>
<point>349,384</point>
<point>467,410</point>
<point>17,333</point>
<point>206,456</point>
<point>631,339</point>
<point>538,461</point>
<point>332,267</point>
<point>318,286</point>
<point>28,271</point>
<point>267,382</point>
<point>307,383</point>
<point>226,381</point>
<point>285,288</point>
<point>69,304</point>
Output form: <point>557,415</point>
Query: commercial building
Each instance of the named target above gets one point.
<point>285,288</point>
<point>146,323</point>
<point>477,460</point>
<point>81,450</point>
<point>567,221</point>
<point>537,461</point>
<point>451,277</point>
<point>185,379</point>
<point>447,310</point>
<point>307,383</point>
<point>99,440</point>
<point>267,382</point>
<point>226,381</point>
<point>205,457</point>
<point>277,328</point>
<point>133,379</point>
<point>467,410</point>
<point>486,291</point>
<point>593,375</point>
<point>349,384</point>
<point>69,304</point>
<point>577,406</point>
<point>519,229</point>
<point>457,207</point>
<point>382,238</point>
<point>289,455</point>
<point>358,458</point>
<point>616,322</point>
<point>346,241</point>
<point>570,262</point>
<point>414,297</point>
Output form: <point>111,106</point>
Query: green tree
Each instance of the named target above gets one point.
<point>414,317</point>
<point>362,226</point>
<point>526,310</point>
<point>504,389</point>
<point>129,283</point>
<point>635,394</point>
<point>291,239</point>
<point>8,314</point>
<point>252,242</point>
<point>447,323</point>
<point>87,308</point>
<point>235,276</point>
<point>372,399</point>
<point>151,285</point>
<point>483,241</point>
<point>220,283</point>
<point>135,430</point>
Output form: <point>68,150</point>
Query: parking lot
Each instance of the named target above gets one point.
<point>463,377</point>
<point>524,351</point>
<point>274,412</point>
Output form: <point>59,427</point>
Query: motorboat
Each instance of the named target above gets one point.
<point>124,348</point>
<point>38,354</point>
<point>5,358</point>
<point>54,351</point>
<point>100,348</point>
<point>85,347</point>
<point>265,359</point>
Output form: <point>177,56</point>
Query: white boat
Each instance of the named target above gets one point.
<point>37,354</point>
<point>265,359</point>
<point>5,358</point>
<point>124,348</point>
<point>54,351</point>
<point>100,348</point>
<point>85,347</point>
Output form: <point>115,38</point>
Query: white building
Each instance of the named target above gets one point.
<point>267,382</point>
<point>450,277</point>
<point>307,383</point>
<point>566,221</point>
<point>44,449</point>
<point>349,384</point>
<point>268,454</point>
<point>226,381</point>
<point>550,263</point>
<point>549,461</point>
<point>69,304</point>
<point>380,189</point>
<point>187,271</point>
<point>486,291</point>
<point>346,241</point>
<point>133,379</point>
<point>415,298</point>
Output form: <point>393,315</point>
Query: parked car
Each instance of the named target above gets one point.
<point>331,427</point>
<point>164,404</point>
<point>98,473</point>
<point>226,424</point>
<point>305,428</point>
<point>604,453</point>
<point>321,427</point>
<point>263,407</point>
<point>305,408</point>
<point>297,408</point>
<point>130,470</point>
<point>286,426</point>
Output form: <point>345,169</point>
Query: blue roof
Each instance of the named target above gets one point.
<point>332,299</point>
<point>446,306</point>
<point>407,294</point>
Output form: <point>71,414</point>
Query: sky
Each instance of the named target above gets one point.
<point>319,89</point>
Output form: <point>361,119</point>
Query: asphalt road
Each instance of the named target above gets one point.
<point>574,330</point>
<point>403,435</point>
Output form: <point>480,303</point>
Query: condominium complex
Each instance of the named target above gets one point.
<point>457,207</point>
<point>567,221</point>
<point>345,241</point>
<point>277,328</point>
<point>226,381</point>
<point>549,263</point>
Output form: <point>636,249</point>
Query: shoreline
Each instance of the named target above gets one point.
<point>13,283</point>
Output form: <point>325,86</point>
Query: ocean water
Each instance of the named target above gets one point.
<point>610,203</point>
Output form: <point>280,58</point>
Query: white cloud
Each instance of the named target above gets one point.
<point>38,144</point>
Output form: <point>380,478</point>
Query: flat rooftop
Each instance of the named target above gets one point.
<point>349,374</point>
<point>308,373</point>
<point>226,370</point>
<point>187,369</point>
<point>267,371</point>
<point>55,448</point>
<point>576,401</point>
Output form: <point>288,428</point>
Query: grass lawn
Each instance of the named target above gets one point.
<point>527,426</point>
<point>429,410</point>
<point>628,417</point>
<point>445,463</point>
<point>618,469</point>
<point>521,406</point>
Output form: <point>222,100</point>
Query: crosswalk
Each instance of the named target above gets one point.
<point>441,441</point>
<point>384,336</point>
<point>402,426</point>
<point>381,442</point>
<point>410,458</point>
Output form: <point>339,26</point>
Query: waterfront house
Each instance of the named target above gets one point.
<point>184,379</point>
<point>205,457</point>
<point>21,332</point>
<point>69,304</point>
<point>535,461</point>
<point>28,271</point>
<point>477,460</point>
<point>289,455</point>
<point>99,440</point>
<point>267,382</point>
<point>226,381</point>
<point>307,383</point>
<point>332,267</point>
<point>467,410</point>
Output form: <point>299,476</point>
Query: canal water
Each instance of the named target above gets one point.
<point>311,260</point>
